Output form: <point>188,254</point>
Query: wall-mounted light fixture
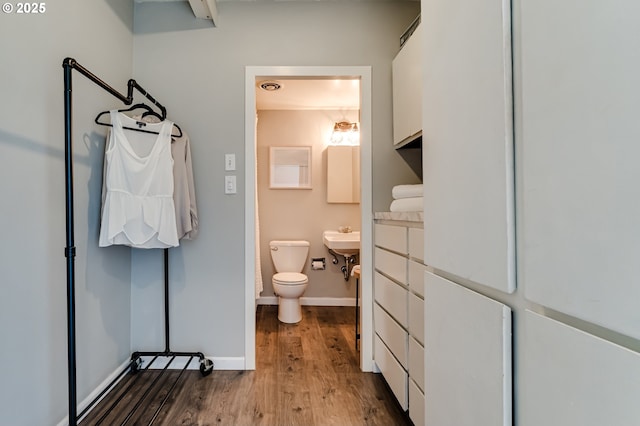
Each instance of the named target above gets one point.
<point>345,133</point>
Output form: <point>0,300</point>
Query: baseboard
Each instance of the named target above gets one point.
<point>312,301</point>
<point>219,363</point>
<point>93,395</point>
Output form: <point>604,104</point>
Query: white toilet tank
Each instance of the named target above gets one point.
<point>289,256</point>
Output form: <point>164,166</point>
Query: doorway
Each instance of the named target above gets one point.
<point>252,76</point>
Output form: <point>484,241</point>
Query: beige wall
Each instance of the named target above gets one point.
<point>302,214</point>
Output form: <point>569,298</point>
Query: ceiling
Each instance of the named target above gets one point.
<point>300,93</point>
<point>309,93</point>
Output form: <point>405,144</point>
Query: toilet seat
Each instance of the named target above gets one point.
<point>290,278</point>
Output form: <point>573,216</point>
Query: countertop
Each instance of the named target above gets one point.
<point>400,216</point>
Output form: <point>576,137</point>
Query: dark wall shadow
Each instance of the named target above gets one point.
<point>13,139</point>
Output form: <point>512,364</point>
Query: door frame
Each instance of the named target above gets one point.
<point>363,73</point>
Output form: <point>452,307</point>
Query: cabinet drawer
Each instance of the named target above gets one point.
<point>391,237</point>
<point>416,277</point>
<point>416,362</point>
<point>416,317</point>
<point>394,336</point>
<point>392,371</point>
<point>416,243</point>
<point>391,264</point>
<point>416,405</point>
<point>392,297</point>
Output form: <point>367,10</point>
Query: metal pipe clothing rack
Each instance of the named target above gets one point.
<point>206,365</point>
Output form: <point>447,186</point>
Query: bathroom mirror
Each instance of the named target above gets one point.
<point>290,167</point>
<point>343,174</point>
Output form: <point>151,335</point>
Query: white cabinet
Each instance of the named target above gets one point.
<point>394,374</point>
<point>416,402</point>
<point>391,264</point>
<point>416,317</point>
<point>416,362</point>
<point>392,238</point>
<point>399,312</point>
<point>468,123</point>
<point>416,277</point>
<point>393,297</point>
<point>392,334</point>
<point>467,357</point>
<point>575,378</point>
<point>582,259</point>
<point>416,244</point>
<point>407,90</point>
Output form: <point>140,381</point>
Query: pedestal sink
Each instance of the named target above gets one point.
<point>343,243</point>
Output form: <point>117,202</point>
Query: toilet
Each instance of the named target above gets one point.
<point>289,283</point>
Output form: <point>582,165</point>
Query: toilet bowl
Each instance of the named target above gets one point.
<point>289,284</point>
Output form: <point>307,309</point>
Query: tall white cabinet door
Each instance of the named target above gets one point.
<point>580,172</point>
<point>467,357</point>
<point>572,378</point>
<point>407,89</point>
<point>469,226</point>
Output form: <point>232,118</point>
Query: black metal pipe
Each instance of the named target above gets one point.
<point>166,397</point>
<point>134,84</point>
<point>115,403</point>
<point>140,354</point>
<point>72,63</point>
<point>69,64</point>
<point>357,312</point>
<point>131,84</point>
<point>142,398</point>
<point>70,251</point>
<point>106,389</point>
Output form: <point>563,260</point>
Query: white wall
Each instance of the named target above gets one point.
<point>297,213</point>
<point>199,72</point>
<point>33,331</point>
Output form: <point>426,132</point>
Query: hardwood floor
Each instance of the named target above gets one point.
<point>306,374</point>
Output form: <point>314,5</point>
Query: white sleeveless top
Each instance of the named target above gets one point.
<point>138,209</point>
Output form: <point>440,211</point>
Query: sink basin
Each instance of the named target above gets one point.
<point>344,243</point>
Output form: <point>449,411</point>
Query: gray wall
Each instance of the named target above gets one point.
<point>199,73</point>
<point>33,358</point>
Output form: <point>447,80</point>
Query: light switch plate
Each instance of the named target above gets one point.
<point>229,184</point>
<point>229,162</point>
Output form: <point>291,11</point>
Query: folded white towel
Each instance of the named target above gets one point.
<point>406,191</point>
<point>413,204</point>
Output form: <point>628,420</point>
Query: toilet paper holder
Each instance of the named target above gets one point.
<point>318,263</point>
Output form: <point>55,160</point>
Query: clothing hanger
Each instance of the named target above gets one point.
<point>155,114</point>
<point>149,112</point>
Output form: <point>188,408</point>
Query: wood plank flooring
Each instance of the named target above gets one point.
<point>306,374</point>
